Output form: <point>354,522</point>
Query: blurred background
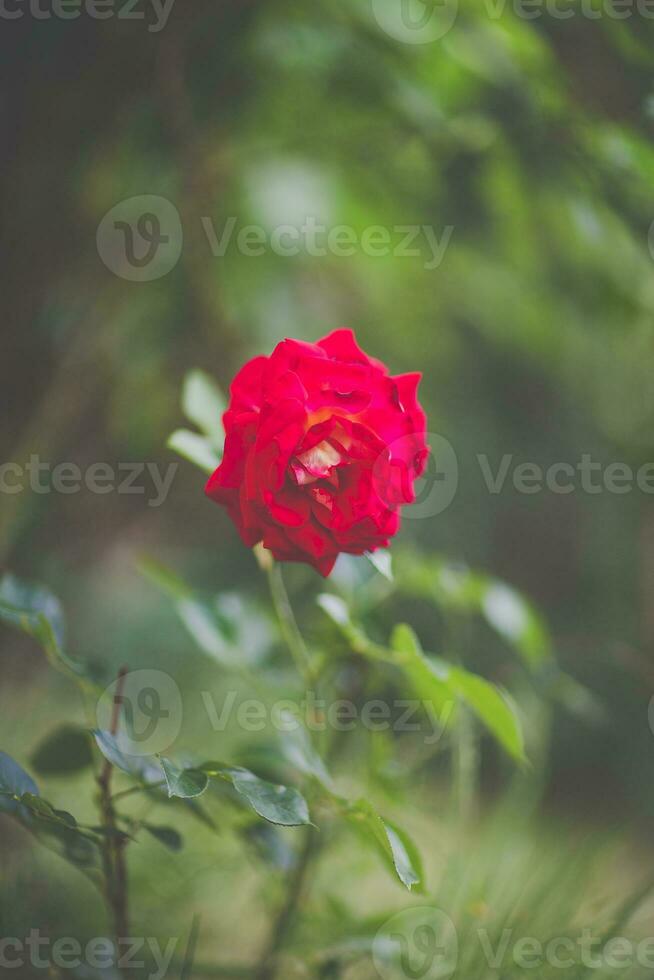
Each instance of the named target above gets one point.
<point>524,146</point>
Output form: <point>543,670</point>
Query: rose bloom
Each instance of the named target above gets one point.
<point>322,449</point>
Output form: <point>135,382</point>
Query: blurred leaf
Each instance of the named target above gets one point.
<point>381,560</point>
<point>167,836</point>
<point>493,707</point>
<point>198,617</point>
<point>195,448</point>
<point>300,753</point>
<point>204,404</point>
<point>65,750</point>
<point>14,781</point>
<point>516,621</point>
<point>19,797</point>
<point>440,682</point>
<point>143,767</point>
<point>37,612</point>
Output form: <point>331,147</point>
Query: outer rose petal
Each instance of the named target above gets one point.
<point>322,450</point>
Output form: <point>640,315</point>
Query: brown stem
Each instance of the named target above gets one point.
<point>113,851</point>
<point>285,919</point>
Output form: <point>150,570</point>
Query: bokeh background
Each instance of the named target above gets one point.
<point>531,140</point>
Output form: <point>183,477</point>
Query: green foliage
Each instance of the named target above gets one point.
<point>65,750</point>
<point>203,404</point>
<point>395,846</point>
<point>434,680</point>
<point>36,611</point>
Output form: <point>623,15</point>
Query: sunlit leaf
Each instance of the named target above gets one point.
<point>381,560</point>
<point>195,448</point>
<point>204,404</point>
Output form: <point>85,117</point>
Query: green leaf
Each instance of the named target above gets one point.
<point>36,611</point>
<point>45,811</point>
<point>65,750</point>
<point>336,609</point>
<point>14,781</point>
<point>494,708</point>
<point>185,783</point>
<point>167,836</point>
<point>300,753</point>
<point>281,805</point>
<point>517,622</point>
<point>430,684</point>
<point>203,404</point>
<point>195,448</point>
<point>19,797</point>
<point>381,560</point>
<point>199,619</point>
<point>144,767</point>
<point>399,853</point>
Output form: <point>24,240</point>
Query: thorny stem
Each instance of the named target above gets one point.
<point>113,850</point>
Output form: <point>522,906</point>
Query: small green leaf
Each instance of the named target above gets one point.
<point>36,611</point>
<point>67,749</point>
<point>143,767</point>
<point>167,836</point>
<point>45,811</point>
<point>381,560</point>
<point>203,404</point>
<point>400,855</point>
<point>429,683</point>
<point>281,805</point>
<point>14,781</point>
<point>336,608</point>
<point>493,707</point>
<point>300,753</point>
<point>185,783</point>
<point>517,622</point>
<point>198,617</point>
<point>195,448</point>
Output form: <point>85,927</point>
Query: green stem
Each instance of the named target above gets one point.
<point>288,625</point>
<point>466,764</point>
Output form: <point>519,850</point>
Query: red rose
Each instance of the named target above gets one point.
<point>322,449</point>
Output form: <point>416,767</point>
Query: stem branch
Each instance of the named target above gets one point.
<point>113,851</point>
